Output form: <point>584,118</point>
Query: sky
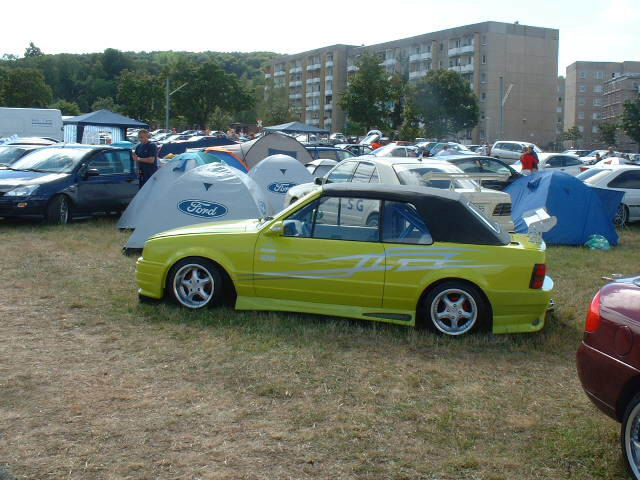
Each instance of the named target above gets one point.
<point>596,30</point>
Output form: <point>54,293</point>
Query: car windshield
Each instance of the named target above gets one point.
<point>592,175</point>
<point>9,154</point>
<point>53,160</point>
<point>410,174</point>
<point>593,154</point>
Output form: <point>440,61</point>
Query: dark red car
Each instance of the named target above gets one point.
<point>608,361</point>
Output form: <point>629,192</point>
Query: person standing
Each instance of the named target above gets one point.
<point>529,161</point>
<point>146,157</point>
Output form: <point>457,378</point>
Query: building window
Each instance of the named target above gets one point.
<point>582,88</point>
<point>595,129</point>
<point>597,89</point>
<point>481,115</point>
<point>483,96</point>
<point>581,101</point>
<point>329,57</point>
<point>580,128</point>
<point>583,75</point>
<point>484,59</point>
<point>484,39</point>
<point>599,75</point>
<point>597,102</point>
<point>580,115</point>
<point>595,115</point>
<point>483,77</point>
<point>428,48</point>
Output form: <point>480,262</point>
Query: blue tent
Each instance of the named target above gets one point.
<point>183,145</point>
<point>581,210</point>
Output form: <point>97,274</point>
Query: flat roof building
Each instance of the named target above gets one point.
<point>512,68</point>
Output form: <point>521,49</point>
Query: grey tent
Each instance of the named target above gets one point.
<point>296,127</point>
<point>77,129</point>
<point>254,151</point>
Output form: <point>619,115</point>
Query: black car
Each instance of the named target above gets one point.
<point>12,153</point>
<point>60,182</point>
<point>481,164</point>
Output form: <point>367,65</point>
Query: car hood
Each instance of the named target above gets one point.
<point>229,226</point>
<point>10,179</point>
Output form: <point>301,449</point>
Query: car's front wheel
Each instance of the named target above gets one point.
<point>455,308</point>
<point>195,283</point>
<point>630,436</point>
<point>58,211</point>
<point>622,215</point>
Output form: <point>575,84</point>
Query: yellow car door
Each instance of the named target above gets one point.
<point>323,255</point>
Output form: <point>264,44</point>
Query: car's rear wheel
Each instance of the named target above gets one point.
<point>630,436</point>
<point>455,308</point>
<point>58,211</point>
<point>622,215</point>
<point>195,283</point>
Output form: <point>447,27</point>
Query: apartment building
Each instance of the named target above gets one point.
<point>585,96</point>
<point>560,107</point>
<point>512,68</point>
<point>617,91</point>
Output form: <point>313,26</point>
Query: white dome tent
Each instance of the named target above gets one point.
<point>276,175</point>
<point>254,151</point>
<point>212,192</point>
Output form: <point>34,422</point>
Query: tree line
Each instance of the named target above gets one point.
<point>218,86</point>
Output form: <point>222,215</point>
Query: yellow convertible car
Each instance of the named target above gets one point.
<point>413,256</point>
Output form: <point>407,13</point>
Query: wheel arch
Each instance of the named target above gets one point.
<point>440,281</point>
<point>229,286</point>
<point>631,388</point>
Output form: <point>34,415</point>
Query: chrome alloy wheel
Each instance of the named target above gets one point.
<point>454,311</point>
<point>193,286</point>
<point>632,440</point>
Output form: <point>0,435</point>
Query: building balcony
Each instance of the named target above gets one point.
<point>328,106</point>
<point>352,68</point>
<point>267,75</point>
<point>417,74</point>
<point>329,63</point>
<point>295,83</point>
<point>327,122</point>
<point>313,80</point>
<point>294,96</point>
<point>315,66</point>
<point>466,68</point>
<point>295,70</point>
<point>328,91</point>
<point>314,121</point>
<point>388,62</point>
<point>328,77</point>
<point>466,49</point>
<point>313,108</point>
<point>312,94</point>
<point>280,73</point>
<point>418,57</point>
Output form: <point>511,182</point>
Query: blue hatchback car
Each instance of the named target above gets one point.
<point>60,182</point>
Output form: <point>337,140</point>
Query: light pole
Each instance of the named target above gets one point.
<point>167,97</point>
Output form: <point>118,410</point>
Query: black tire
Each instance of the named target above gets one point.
<point>196,283</point>
<point>58,211</point>
<point>622,216</point>
<point>465,301</point>
<point>629,431</point>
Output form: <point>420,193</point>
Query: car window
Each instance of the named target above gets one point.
<point>587,174</point>
<point>403,224</point>
<point>629,179</point>
<point>330,154</point>
<point>482,165</point>
<point>363,173</point>
<point>300,223</point>
<point>109,163</point>
<point>499,146</point>
<point>342,172</point>
<point>571,161</point>
<point>52,160</point>
<point>10,154</point>
<point>375,178</point>
<point>411,153</point>
<point>554,162</point>
<point>322,170</point>
<point>344,154</point>
<point>417,175</point>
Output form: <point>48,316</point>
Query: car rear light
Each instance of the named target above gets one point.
<point>537,277</point>
<point>502,209</point>
<point>593,316</point>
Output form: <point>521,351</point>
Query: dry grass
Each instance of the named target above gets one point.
<point>94,386</point>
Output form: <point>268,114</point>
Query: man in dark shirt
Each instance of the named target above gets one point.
<point>145,155</point>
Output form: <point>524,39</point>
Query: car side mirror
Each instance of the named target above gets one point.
<point>318,181</point>
<point>91,172</point>
<point>276,229</point>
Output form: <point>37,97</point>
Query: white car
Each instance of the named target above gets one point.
<point>412,171</point>
<point>624,178</point>
<point>320,167</point>
<point>511,151</point>
<point>395,150</point>
<point>590,159</point>
<point>556,161</point>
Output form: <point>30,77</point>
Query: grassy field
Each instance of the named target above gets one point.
<point>95,386</point>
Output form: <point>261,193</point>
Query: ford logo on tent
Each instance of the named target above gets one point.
<point>202,208</point>
<point>280,187</point>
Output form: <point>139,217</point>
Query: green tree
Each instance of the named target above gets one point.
<point>274,107</point>
<point>219,120</point>
<point>631,119</point>
<point>208,86</point>
<point>105,103</point>
<point>25,87</point>
<point>572,134</point>
<point>410,128</point>
<point>32,51</point>
<point>445,103</point>
<point>140,95</point>
<point>399,92</point>
<point>366,99</point>
<point>67,108</point>
<point>113,62</point>
<point>608,132</point>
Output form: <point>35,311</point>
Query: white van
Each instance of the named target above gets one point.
<point>510,151</point>
<point>31,122</point>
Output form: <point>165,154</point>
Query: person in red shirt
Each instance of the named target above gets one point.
<point>529,162</point>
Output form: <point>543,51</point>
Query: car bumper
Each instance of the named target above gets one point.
<point>22,206</point>
<point>603,378</point>
<point>521,311</point>
<point>150,278</point>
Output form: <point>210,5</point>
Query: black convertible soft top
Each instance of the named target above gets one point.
<point>447,214</point>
